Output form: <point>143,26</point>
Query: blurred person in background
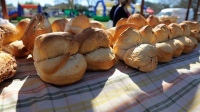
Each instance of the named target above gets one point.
<point>121,11</point>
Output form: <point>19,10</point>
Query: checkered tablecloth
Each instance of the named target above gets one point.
<point>172,87</point>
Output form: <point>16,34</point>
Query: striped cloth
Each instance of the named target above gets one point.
<point>172,87</point>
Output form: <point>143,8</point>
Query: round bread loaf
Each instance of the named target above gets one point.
<point>164,52</point>
<point>8,66</point>
<point>122,28</point>
<point>78,24</point>
<point>185,29</point>
<point>12,32</point>
<point>95,46</point>
<point>166,22</point>
<point>91,39</point>
<point>122,21</point>
<point>148,36</point>
<point>193,25</point>
<point>9,34</point>
<point>152,21</point>
<point>57,60</point>
<point>137,19</point>
<point>162,32</point>
<point>59,25</point>
<point>100,59</point>
<point>16,48</point>
<point>177,46</point>
<point>189,43</point>
<point>142,57</point>
<point>175,30</point>
<point>129,38</point>
<point>38,25</point>
<point>97,24</point>
<point>195,34</point>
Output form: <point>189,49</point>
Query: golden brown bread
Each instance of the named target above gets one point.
<point>100,59</point>
<point>8,66</point>
<point>185,29</point>
<point>164,52</point>
<point>59,25</point>
<point>137,19</point>
<point>95,46</point>
<point>142,57</point>
<point>38,25</point>
<point>91,39</point>
<point>97,24</point>
<point>162,32</point>
<point>177,46</point>
<point>16,48</point>
<point>13,33</point>
<point>148,36</point>
<point>175,30</point>
<point>189,43</point>
<point>166,22</point>
<point>122,28</point>
<point>195,34</point>
<point>122,21</point>
<point>193,25</point>
<point>152,21</point>
<point>128,39</point>
<point>59,51</point>
<point>78,24</point>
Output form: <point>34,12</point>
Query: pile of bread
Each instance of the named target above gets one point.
<point>64,50</point>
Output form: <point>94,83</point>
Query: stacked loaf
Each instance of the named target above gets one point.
<point>69,54</point>
<point>159,42</point>
<point>8,63</point>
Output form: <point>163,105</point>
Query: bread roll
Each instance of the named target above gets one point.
<point>91,39</point>
<point>122,21</point>
<point>152,21</point>
<point>100,59</point>
<point>129,38</point>
<point>193,25</point>
<point>166,22</point>
<point>10,33</point>
<point>137,19</point>
<point>59,25</point>
<point>16,48</point>
<point>195,34</point>
<point>177,46</point>
<point>13,33</point>
<point>122,28</point>
<point>57,60</point>
<point>189,43</point>
<point>185,29</point>
<point>142,57</point>
<point>162,32</point>
<point>175,30</point>
<point>97,24</point>
<point>164,52</point>
<point>21,26</point>
<point>8,66</point>
<point>38,25</point>
<point>148,36</point>
<point>95,46</point>
<point>77,24</point>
